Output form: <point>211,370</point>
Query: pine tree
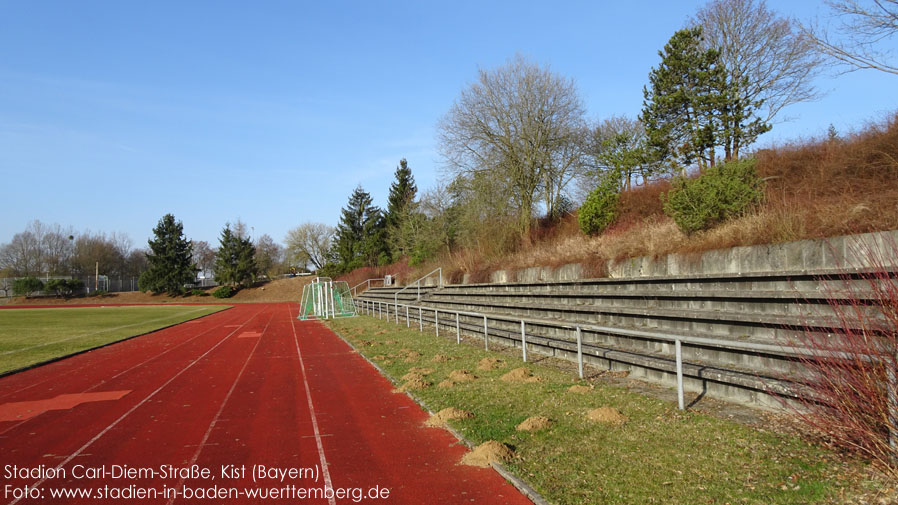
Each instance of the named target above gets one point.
<point>360,235</point>
<point>693,107</point>
<point>400,205</point>
<point>235,263</point>
<point>169,264</point>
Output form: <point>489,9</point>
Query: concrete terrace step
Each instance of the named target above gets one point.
<point>804,281</point>
<point>715,322</point>
<point>716,371</point>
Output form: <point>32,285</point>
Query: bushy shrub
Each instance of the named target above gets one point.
<point>145,281</point>
<point>600,207</point>
<point>27,286</point>
<point>721,193</point>
<point>198,292</point>
<point>224,292</point>
<point>64,287</point>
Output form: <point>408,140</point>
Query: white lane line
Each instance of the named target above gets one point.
<point>126,414</point>
<point>324,471</point>
<point>199,449</point>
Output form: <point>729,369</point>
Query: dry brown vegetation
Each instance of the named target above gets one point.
<point>815,188</point>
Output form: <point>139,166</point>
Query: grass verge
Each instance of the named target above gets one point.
<point>659,455</point>
<point>32,336</point>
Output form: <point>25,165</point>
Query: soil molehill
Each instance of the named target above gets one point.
<point>461,376</point>
<point>412,376</point>
<point>487,364</point>
<point>379,357</point>
<point>440,358</point>
<point>414,384</point>
<point>446,384</point>
<point>579,389</point>
<point>520,375</point>
<point>608,415</point>
<point>409,355</point>
<point>440,418</point>
<point>365,343</point>
<point>535,423</point>
<point>420,370</point>
<point>381,332</point>
<point>486,453</point>
<point>390,342</point>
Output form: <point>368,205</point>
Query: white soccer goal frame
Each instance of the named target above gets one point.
<point>324,298</point>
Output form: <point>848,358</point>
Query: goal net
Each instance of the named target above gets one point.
<point>324,298</point>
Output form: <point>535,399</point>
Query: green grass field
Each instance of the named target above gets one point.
<point>29,336</point>
<point>660,455</point>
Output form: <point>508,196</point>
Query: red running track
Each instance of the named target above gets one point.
<point>241,389</point>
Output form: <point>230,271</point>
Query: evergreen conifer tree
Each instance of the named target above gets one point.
<point>169,264</point>
<point>692,107</point>
<point>360,235</point>
<point>235,263</point>
<point>400,205</point>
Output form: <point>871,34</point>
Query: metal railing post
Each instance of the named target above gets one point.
<point>457,330</point>
<point>579,353</point>
<point>408,323</point>
<point>486,336</point>
<point>420,320</point>
<point>679,353</point>
<point>523,341</point>
<point>436,320</point>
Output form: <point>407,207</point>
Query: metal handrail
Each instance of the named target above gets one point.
<point>368,282</point>
<point>418,284</point>
<point>677,340</point>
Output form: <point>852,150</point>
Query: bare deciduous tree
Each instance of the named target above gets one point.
<point>860,35</point>
<point>269,255</point>
<point>203,256</point>
<point>768,58</point>
<point>309,243</point>
<point>519,123</point>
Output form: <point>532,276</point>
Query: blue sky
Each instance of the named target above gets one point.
<point>115,113</point>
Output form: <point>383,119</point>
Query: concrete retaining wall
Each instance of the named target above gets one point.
<point>845,252</point>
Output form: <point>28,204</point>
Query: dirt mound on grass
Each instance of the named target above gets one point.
<point>487,364</point>
<point>440,358</point>
<point>446,384</point>
<point>520,375</point>
<point>390,342</point>
<point>409,355</point>
<point>381,332</point>
<point>608,415</point>
<point>486,453</point>
<point>579,389</point>
<point>412,376</point>
<point>535,423</point>
<point>440,418</point>
<point>420,370</point>
<point>461,376</point>
<point>415,384</point>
